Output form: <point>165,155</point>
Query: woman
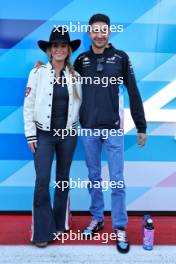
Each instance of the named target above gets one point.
<point>51,104</point>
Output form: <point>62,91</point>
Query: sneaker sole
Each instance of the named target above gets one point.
<point>123,251</point>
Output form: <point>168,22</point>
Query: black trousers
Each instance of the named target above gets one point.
<point>48,219</point>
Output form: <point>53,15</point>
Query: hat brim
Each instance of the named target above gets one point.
<point>44,45</point>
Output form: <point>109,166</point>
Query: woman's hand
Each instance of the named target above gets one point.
<point>33,146</point>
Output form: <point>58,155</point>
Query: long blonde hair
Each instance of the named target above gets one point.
<point>70,68</point>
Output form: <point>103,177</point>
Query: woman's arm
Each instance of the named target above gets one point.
<point>28,111</point>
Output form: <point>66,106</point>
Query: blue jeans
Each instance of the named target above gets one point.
<point>115,157</point>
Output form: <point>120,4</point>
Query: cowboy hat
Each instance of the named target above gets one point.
<point>59,35</point>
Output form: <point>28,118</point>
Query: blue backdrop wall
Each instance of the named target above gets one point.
<point>149,37</point>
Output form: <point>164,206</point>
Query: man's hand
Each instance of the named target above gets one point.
<point>38,64</point>
<point>33,146</point>
<point>141,139</point>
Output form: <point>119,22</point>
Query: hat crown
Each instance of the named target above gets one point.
<point>59,34</point>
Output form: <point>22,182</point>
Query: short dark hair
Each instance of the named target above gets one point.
<point>99,18</point>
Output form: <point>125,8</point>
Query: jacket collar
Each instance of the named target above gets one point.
<point>105,52</point>
<point>50,67</point>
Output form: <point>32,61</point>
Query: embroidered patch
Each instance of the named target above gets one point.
<point>28,90</point>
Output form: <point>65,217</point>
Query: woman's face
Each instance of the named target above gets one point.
<point>59,51</point>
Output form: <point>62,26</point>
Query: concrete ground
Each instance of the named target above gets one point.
<point>86,255</point>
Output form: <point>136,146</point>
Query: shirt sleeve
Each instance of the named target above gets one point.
<point>79,87</point>
<point>77,65</point>
<point>136,105</point>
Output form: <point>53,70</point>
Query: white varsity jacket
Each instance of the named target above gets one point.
<point>39,97</point>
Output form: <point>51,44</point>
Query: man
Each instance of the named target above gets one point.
<point>100,110</point>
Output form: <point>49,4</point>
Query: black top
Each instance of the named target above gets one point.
<point>100,106</point>
<point>59,106</point>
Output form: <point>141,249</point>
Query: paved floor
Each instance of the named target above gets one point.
<point>85,255</point>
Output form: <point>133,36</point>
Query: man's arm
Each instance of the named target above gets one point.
<point>136,105</point>
<point>77,64</point>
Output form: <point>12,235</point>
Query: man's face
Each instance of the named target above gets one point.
<point>99,34</point>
